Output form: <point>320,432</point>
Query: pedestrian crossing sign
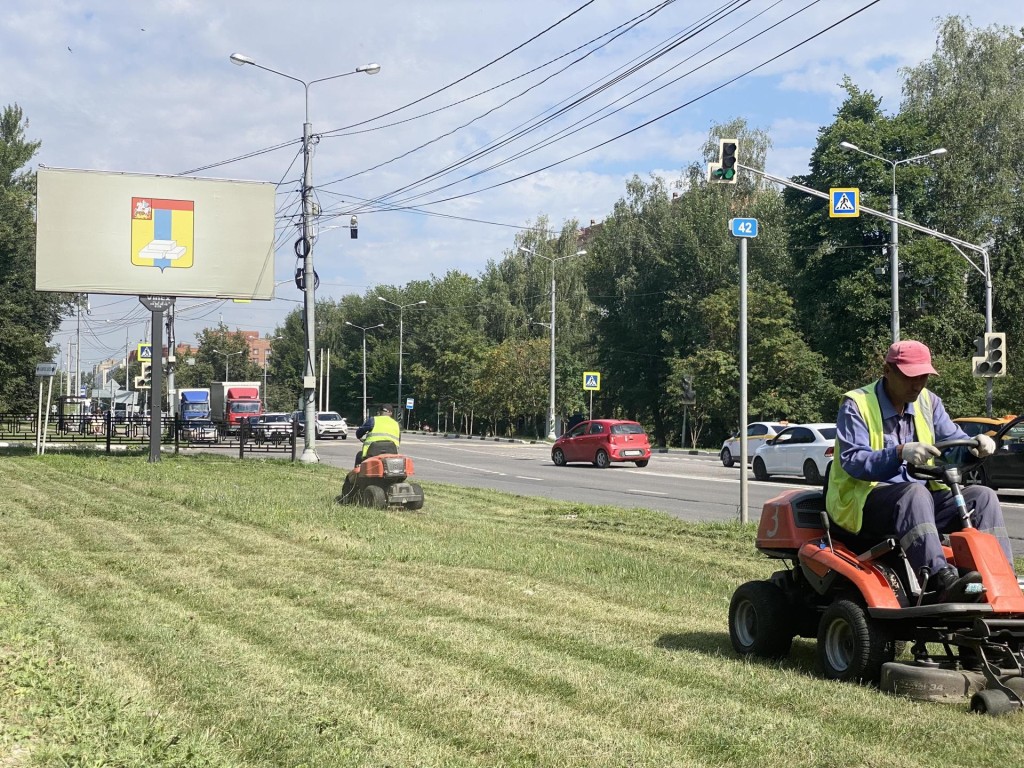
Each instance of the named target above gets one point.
<point>592,381</point>
<point>145,352</point>
<point>844,202</point>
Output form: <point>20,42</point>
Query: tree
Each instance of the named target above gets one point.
<point>28,318</point>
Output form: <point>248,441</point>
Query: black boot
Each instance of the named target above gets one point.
<point>950,587</point>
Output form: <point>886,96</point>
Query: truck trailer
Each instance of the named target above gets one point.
<point>232,402</point>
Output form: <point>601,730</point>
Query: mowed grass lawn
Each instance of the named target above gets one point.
<point>204,611</point>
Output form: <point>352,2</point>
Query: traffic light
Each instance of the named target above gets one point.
<point>145,380</point>
<point>724,171</point>
<point>353,229</point>
<point>689,394</point>
<point>991,358</point>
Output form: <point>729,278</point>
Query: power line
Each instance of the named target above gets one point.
<point>536,122</point>
<point>275,147</point>
<point>659,117</point>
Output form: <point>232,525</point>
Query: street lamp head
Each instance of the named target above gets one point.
<point>524,249</point>
<point>352,324</point>
<point>423,301</point>
<point>580,252</point>
<point>939,151</point>
<point>370,69</point>
<point>848,145</point>
<point>240,59</point>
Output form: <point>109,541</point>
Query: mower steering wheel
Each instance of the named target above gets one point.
<point>937,470</point>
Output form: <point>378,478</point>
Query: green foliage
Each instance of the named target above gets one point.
<point>656,296</point>
<point>28,318</point>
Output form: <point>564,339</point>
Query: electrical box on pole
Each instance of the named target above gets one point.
<point>991,358</point>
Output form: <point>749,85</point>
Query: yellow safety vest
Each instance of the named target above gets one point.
<point>846,494</point>
<point>384,428</point>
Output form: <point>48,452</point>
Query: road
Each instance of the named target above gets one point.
<point>696,488</point>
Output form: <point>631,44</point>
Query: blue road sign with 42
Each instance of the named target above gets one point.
<point>743,227</point>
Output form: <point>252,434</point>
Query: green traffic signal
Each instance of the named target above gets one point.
<point>724,171</point>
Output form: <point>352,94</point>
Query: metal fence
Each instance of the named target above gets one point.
<point>102,430</point>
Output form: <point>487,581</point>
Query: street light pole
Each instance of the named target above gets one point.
<point>227,356</point>
<point>551,385</point>
<point>894,238</point>
<point>304,249</point>
<point>401,333</point>
<point>366,411</point>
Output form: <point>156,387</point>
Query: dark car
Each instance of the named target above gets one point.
<point>1005,467</point>
<point>602,441</point>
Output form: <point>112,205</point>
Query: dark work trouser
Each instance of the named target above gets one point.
<point>918,516</point>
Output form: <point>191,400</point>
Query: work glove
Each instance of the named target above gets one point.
<point>986,446</point>
<point>919,453</point>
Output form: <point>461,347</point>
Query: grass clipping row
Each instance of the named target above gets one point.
<point>211,612</point>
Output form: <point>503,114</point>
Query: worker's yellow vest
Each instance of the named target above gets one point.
<point>846,495</point>
<point>384,428</point>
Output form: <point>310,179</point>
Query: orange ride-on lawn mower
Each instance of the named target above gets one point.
<point>865,605</point>
<point>382,481</point>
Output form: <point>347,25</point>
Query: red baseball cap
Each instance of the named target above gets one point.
<point>912,358</point>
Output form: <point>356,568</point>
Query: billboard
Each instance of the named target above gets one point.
<point>138,234</point>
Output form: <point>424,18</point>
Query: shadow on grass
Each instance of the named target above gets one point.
<point>801,657</point>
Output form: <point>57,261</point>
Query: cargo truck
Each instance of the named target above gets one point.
<point>193,404</point>
<point>232,402</point>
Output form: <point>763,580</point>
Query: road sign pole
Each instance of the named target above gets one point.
<point>743,380</point>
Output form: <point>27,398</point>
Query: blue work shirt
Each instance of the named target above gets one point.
<point>885,466</point>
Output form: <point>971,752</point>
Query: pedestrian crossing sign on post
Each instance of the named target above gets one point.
<point>844,202</point>
<point>591,381</point>
<point>144,352</point>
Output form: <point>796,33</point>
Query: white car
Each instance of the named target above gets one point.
<point>804,450</point>
<point>757,433</point>
<point>331,424</point>
<point>274,427</point>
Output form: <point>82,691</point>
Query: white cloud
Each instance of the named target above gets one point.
<point>148,87</point>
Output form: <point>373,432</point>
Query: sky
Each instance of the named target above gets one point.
<point>552,88</point>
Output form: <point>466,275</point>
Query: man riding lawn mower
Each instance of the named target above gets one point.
<point>380,476</point>
<point>871,573</point>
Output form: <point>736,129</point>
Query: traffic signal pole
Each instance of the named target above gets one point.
<point>960,245</point>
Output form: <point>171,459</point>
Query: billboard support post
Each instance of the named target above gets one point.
<point>157,305</point>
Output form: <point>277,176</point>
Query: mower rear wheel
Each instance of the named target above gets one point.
<point>760,621</point>
<point>374,496</point>
<point>851,647</point>
<point>991,701</point>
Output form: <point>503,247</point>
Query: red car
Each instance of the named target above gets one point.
<point>601,442</point>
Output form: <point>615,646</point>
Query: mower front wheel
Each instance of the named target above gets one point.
<point>851,647</point>
<point>991,701</point>
<point>760,621</point>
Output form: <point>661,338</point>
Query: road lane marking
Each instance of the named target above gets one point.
<point>524,477</point>
<point>646,493</point>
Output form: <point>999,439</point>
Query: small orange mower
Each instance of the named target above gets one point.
<point>382,481</point>
<point>863,602</point>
